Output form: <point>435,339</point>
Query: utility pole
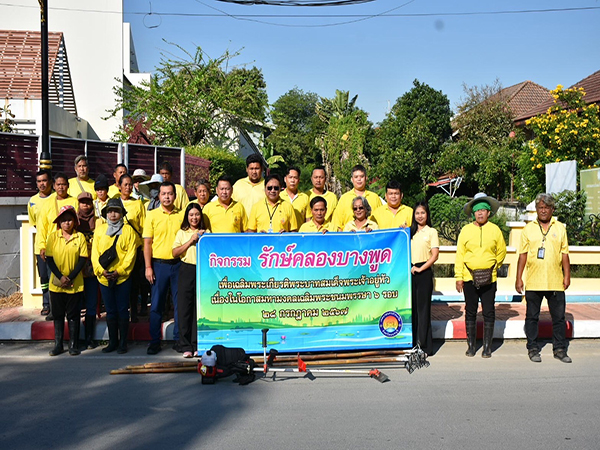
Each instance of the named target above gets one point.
<point>45,157</point>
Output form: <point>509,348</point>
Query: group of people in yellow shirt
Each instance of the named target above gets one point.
<point>140,235</point>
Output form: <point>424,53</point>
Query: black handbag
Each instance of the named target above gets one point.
<point>107,258</point>
<point>482,277</point>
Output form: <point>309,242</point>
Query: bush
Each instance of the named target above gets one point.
<point>570,210</point>
<point>222,162</point>
<point>448,217</point>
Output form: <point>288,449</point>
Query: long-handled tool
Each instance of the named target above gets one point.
<point>373,373</point>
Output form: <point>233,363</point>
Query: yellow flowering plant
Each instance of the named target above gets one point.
<point>568,130</point>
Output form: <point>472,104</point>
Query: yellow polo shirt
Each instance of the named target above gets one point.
<point>66,255</point>
<point>181,198</point>
<point>544,274</point>
<point>312,227</point>
<point>299,203</point>
<point>34,208</point>
<point>343,212</point>
<point>126,250</point>
<point>422,243</point>
<point>479,248</point>
<point>47,215</point>
<point>221,219</point>
<point>182,237</point>
<point>136,214</point>
<point>113,191</point>
<point>87,185</point>
<point>162,226</point>
<point>329,197</point>
<point>283,217</point>
<point>387,219</point>
<point>351,226</point>
<point>248,193</point>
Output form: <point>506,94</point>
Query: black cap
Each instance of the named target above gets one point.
<point>101,183</point>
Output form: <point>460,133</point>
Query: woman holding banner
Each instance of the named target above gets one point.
<point>184,247</point>
<point>425,249</point>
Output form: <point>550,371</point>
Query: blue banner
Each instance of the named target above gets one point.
<point>315,292</point>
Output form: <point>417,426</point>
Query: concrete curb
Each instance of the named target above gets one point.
<point>441,329</point>
<point>513,329</point>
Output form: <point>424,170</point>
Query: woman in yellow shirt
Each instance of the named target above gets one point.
<point>184,247</point>
<point>361,211</point>
<point>136,214</point>
<point>424,250</point>
<point>113,258</point>
<point>66,254</point>
<point>480,251</point>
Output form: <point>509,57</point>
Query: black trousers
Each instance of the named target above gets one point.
<point>69,304</point>
<point>44,272</point>
<point>186,308</point>
<point>557,305</point>
<point>422,289</point>
<point>487,295</point>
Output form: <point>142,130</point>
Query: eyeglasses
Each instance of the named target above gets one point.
<point>273,188</point>
<point>358,208</point>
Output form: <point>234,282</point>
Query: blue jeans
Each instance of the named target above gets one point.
<point>90,294</point>
<point>116,300</point>
<point>165,275</point>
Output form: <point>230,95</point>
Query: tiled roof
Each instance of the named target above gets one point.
<point>524,96</point>
<point>21,66</point>
<point>590,84</point>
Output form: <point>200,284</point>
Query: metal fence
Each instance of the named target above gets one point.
<point>19,156</point>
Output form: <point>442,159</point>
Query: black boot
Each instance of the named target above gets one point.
<point>471,337</point>
<point>123,331</point>
<point>90,326</point>
<point>74,337</point>
<point>488,335</point>
<point>50,316</point>
<point>113,331</point>
<point>59,332</point>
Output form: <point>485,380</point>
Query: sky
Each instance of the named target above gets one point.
<point>376,49</point>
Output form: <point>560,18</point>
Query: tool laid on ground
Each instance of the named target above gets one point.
<point>234,361</point>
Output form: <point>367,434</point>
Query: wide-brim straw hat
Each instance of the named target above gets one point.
<point>482,197</point>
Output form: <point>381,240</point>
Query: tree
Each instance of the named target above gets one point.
<point>297,127</point>
<point>195,100</point>
<point>569,130</point>
<point>343,141</point>
<point>484,116</point>
<point>410,137</point>
<point>6,119</point>
<point>487,145</point>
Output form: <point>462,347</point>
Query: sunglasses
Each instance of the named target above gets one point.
<point>273,188</point>
<point>358,208</point>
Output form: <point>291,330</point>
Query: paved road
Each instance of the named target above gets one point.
<point>505,402</point>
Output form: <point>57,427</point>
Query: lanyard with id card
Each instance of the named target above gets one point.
<point>542,250</point>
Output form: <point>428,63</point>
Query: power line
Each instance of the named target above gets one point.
<point>333,16</point>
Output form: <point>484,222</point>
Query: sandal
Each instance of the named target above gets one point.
<point>187,354</point>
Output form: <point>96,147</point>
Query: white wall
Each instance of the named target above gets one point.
<point>94,43</point>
